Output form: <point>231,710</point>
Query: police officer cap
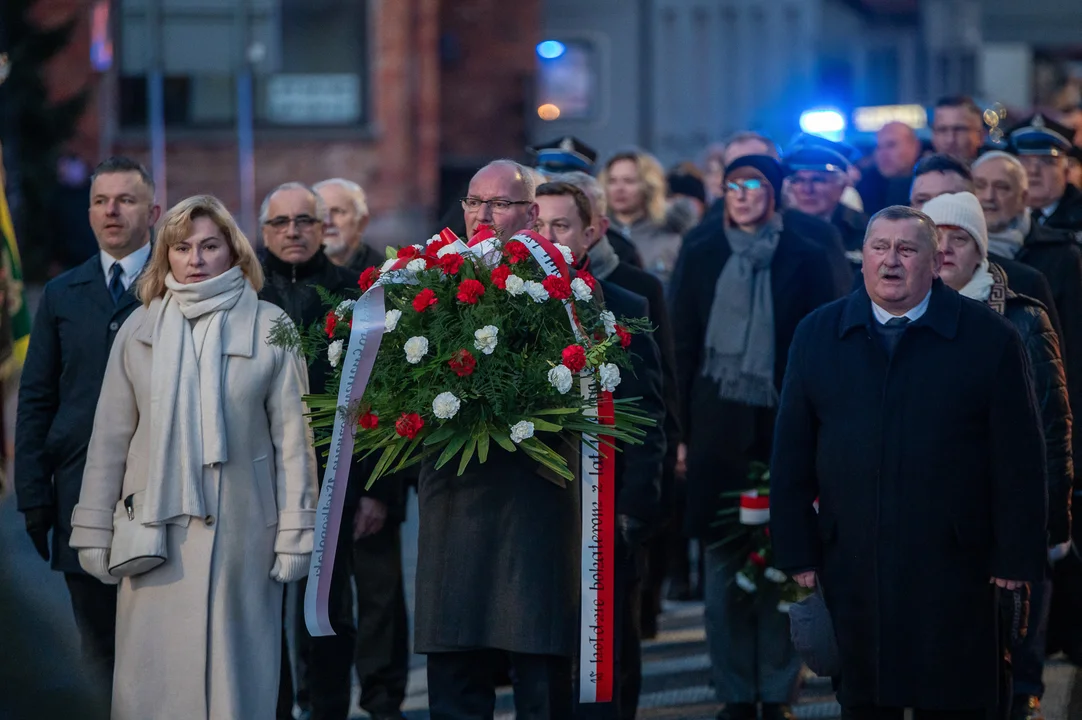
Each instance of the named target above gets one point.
<point>815,157</point>
<point>1038,135</point>
<point>565,155</point>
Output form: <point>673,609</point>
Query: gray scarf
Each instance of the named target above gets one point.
<point>740,331</point>
<point>603,259</point>
<point>1009,242</point>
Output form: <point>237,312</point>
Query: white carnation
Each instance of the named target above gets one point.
<point>536,291</point>
<point>745,583</point>
<point>445,406</point>
<point>560,377</point>
<point>515,285</point>
<point>343,306</point>
<point>415,348</point>
<point>521,431</point>
<point>581,289</point>
<point>452,249</point>
<point>610,323</point>
<point>391,321</point>
<point>610,376</point>
<point>334,352</point>
<point>568,255</point>
<point>775,576</point>
<point>416,266</point>
<point>485,339</point>
<point>434,238</point>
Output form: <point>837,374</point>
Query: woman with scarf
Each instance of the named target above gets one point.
<point>735,307</point>
<point>963,239</point>
<point>200,455</point>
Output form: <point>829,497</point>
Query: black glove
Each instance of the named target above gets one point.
<point>632,530</point>
<point>39,521</point>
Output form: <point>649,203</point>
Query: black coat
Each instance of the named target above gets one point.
<point>1055,255</point>
<point>365,257</point>
<point>623,247</point>
<point>639,467</point>
<point>1050,385</point>
<point>1068,214</point>
<point>293,288</point>
<point>930,474</point>
<point>723,437</point>
<point>851,225</point>
<point>819,232</point>
<point>69,347</point>
<point>1024,280</point>
<point>878,192</point>
<point>643,283</point>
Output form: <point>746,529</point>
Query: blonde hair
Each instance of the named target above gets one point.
<point>177,226</point>
<point>651,176</point>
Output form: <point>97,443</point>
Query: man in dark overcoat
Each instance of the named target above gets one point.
<point>77,319</point>
<point>931,489</point>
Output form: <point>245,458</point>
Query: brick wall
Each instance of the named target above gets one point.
<point>486,77</point>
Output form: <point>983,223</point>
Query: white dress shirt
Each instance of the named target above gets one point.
<point>130,266</point>
<point>1048,211</point>
<point>914,314</point>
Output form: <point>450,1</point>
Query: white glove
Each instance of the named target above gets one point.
<point>96,562</point>
<point>290,567</point>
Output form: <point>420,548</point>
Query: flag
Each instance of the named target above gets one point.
<point>13,271</point>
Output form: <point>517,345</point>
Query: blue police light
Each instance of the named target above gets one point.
<point>828,123</point>
<point>551,49</point>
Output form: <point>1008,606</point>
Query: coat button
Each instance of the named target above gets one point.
<point>114,326</point>
<point>209,520</point>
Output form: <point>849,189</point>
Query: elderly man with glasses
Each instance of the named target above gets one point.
<point>501,195</point>
<point>292,218</point>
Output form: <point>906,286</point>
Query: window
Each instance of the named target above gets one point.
<point>567,78</point>
<point>308,58</point>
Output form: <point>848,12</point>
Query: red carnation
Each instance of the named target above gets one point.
<point>559,288</point>
<point>369,421</point>
<point>451,263</point>
<point>574,358</point>
<point>462,363</point>
<point>332,321</point>
<point>424,300</point>
<point>516,252</point>
<point>436,245</point>
<point>368,278</point>
<point>500,275</point>
<point>409,425</point>
<point>624,335</point>
<point>408,252</point>
<point>470,291</point>
<point>588,279</point>
<point>757,560</point>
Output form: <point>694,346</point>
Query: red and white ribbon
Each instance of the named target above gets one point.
<point>754,508</point>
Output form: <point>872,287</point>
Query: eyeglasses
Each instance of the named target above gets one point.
<point>739,185</point>
<point>498,205</point>
<point>303,222</point>
<point>815,182</point>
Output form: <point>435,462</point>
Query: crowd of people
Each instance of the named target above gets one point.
<point>899,336</point>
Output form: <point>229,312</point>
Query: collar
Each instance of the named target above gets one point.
<point>238,334</point>
<point>1049,210</point>
<point>914,314</point>
<point>131,266</point>
<point>313,266</point>
<point>942,307</point>
<point>602,256</point>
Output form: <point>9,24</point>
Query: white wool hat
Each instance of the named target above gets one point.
<point>960,210</point>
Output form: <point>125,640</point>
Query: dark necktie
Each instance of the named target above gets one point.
<point>116,288</point>
<point>1039,216</point>
<point>892,331</point>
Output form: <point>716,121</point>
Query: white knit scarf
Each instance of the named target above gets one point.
<point>979,286</point>
<point>187,426</point>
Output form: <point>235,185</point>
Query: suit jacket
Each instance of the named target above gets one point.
<point>1068,214</point>
<point>65,364</point>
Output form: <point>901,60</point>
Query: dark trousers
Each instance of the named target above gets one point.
<point>462,685</point>
<point>324,664</point>
<point>382,649</point>
<point>627,644</point>
<point>94,606</point>
<point>868,712</point>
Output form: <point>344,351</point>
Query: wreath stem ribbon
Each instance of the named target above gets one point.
<point>364,340</point>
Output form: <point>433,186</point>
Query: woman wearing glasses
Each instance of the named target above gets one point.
<point>199,492</point>
<point>735,306</point>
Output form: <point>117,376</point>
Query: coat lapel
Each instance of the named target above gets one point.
<point>90,281</point>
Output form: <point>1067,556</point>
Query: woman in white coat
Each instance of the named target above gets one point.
<point>201,444</point>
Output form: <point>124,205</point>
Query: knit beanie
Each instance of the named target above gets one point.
<point>960,210</point>
<point>768,166</point>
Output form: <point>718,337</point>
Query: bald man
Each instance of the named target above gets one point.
<point>897,150</point>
